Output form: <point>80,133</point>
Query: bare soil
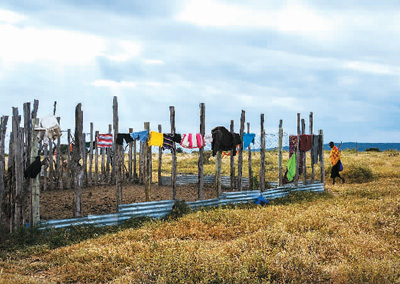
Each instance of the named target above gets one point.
<point>57,204</point>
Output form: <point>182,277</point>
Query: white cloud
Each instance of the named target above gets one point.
<point>10,17</point>
<point>153,61</point>
<point>295,18</point>
<point>30,44</point>
<point>371,67</point>
<point>113,84</point>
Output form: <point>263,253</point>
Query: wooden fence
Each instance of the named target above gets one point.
<point>80,163</point>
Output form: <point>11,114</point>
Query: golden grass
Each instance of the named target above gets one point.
<point>350,234</point>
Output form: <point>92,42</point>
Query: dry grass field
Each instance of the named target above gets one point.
<point>349,234</point>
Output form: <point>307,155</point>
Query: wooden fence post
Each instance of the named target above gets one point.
<point>312,135</point>
<point>26,144</point>
<point>280,153</point>
<point>303,131</point>
<point>249,160</point>
<point>201,153</point>
<point>69,164</point>
<point>147,176</point>
<point>262,154</point>
<point>91,149</point>
<point>118,151</point>
<point>77,169</point>
<point>35,183</point>
<point>3,129</point>
<point>232,158</point>
<point>322,162</point>
<point>296,177</point>
<point>174,164</point>
<point>18,169</point>
<point>59,161</point>
<point>130,153</point>
<point>240,159</point>
<point>159,159</point>
<point>96,161</point>
<point>218,165</point>
<point>109,163</point>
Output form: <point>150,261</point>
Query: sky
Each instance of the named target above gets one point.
<point>339,60</point>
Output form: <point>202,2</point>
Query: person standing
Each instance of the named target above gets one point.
<point>335,159</point>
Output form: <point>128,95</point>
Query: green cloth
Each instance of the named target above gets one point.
<point>291,166</point>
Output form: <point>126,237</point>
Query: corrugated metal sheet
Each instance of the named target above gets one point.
<point>208,179</point>
<point>159,209</point>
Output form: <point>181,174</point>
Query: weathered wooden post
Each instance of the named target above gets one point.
<point>296,177</point>
<point>312,135</point>
<point>96,160</point>
<point>77,169</point>
<point>303,131</point>
<point>280,153</point>
<point>130,153</point>
<point>118,159</point>
<point>3,129</point>
<point>35,183</point>
<point>109,162</point>
<point>26,143</point>
<point>59,161</point>
<point>69,164</point>
<point>322,162</point>
<point>91,149</point>
<point>201,153</point>
<point>240,159</point>
<point>159,158</point>
<point>134,162</point>
<point>174,164</point>
<point>147,176</point>
<point>262,154</point>
<point>218,165</point>
<point>18,169</point>
<point>232,159</point>
<point>249,160</point>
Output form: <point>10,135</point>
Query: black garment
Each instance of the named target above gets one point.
<point>335,170</point>
<point>224,140</point>
<point>33,169</point>
<point>123,136</point>
<point>177,138</point>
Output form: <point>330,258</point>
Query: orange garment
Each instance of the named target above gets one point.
<point>334,155</point>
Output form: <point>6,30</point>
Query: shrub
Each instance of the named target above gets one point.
<point>179,209</point>
<point>372,150</point>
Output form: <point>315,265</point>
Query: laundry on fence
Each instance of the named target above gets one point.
<point>156,139</point>
<point>305,142</point>
<point>168,142</point>
<point>224,140</point>
<point>247,139</point>
<point>49,129</point>
<point>123,136</point>
<point>104,140</point>
<point>141,135</point>
<point>193,140</point>
<point>316,149</point>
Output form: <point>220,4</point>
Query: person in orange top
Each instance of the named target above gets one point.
<point>335,159</point>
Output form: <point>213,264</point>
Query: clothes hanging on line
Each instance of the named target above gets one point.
<point>141,135</point>
<point>168,142</point>
<point>306,142</point>
<point>123,136</point>
<point>105,140</point>
<point>49,129</point>
<point>193,140</point>
<point>156,139</point>
<point>316,149</point>
<point>291,167</point>
<point>224,140</point>
<point>247,139</point>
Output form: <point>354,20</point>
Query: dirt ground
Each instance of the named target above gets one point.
<point>57,204</point>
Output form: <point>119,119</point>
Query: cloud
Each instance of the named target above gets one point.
<point>295,18</point>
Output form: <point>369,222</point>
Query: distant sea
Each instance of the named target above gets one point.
<point>361,147</point>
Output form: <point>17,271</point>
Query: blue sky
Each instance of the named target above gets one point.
<point>337,59</point>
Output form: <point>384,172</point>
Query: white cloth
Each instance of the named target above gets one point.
<point>49,129</point>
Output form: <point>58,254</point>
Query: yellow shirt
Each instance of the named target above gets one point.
<point>156,139</point>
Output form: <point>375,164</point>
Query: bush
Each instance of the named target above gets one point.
<point>372,150</point>
<point>179,209</point>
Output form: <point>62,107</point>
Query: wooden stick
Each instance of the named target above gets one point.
<point>147,176</point>
<point>262,154</point>
<point>232,159</point>
<point>249,160</point>
<point>200,190</point>
<point>159,158</point>
<point>240,159</point>
<point>280,154</point>
<point>174,164</point>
